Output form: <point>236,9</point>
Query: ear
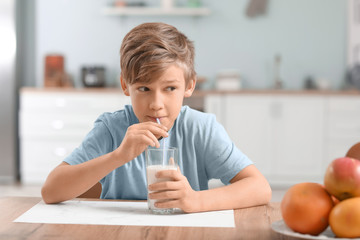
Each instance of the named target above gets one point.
<point>190,88</point>
<point>124,86</point>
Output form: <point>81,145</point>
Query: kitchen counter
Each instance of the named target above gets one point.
<point>277,92</point>
<point>201,93</point>
<point>324,123</point>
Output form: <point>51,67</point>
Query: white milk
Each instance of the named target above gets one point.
<point>150,173</point>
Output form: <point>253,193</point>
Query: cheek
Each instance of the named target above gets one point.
<point>174,109</point>
<point>138,107</point>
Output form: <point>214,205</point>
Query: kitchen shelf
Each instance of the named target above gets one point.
<point>147,11</point>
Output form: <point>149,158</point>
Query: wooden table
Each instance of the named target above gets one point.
<point>251,223</point>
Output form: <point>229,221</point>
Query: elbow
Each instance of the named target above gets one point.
<point>50,191</point>
<point>266,193</point>
<point>47,196</point>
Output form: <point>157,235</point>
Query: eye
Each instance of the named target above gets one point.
<point>170,89</point>
<point>143,89</point>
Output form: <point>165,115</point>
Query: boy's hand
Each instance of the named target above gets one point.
<point>177,193</point>
<point>138,137</point>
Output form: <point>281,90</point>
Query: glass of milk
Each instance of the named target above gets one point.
<point>158,159</point>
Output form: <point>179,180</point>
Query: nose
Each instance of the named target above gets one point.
<point>156,102</point>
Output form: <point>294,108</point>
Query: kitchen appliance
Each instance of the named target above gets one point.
<point>93,76</point>
<point>228,80</point>
<point>54,70</point>
<point>55,74</point>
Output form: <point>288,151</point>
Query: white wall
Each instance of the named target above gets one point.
<point>309,35</point>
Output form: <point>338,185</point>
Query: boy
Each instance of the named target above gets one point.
<point>157,72</point>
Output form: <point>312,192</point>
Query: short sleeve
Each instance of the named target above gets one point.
<point>223,159</point>
<point>96,143</point>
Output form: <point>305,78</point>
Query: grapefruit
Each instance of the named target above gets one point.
<point>305,208</point>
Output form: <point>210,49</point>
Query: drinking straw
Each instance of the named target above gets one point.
<point>163,162</point>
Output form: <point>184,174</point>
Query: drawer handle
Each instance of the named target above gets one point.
<point>57,124</point>
<point>60,151</point>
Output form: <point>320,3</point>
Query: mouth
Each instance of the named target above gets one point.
<point>154,119</point>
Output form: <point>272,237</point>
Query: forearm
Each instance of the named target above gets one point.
<point>69,181</point>
<point>248,188</point>
<point>250,191</point>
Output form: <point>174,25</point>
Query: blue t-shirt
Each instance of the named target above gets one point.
<point>205,152</point>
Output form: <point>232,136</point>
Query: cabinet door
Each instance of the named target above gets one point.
<point>215,104</point>
<point>40,157</point>
<point>342,125</point>
<point>248,123</point>
<point>298,137</point>
<point>53,123</point>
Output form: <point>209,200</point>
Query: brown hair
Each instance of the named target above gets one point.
<point>148,49</point>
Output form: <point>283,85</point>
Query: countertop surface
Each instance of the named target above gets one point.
<point>201,93</point>
<point>250,223</point>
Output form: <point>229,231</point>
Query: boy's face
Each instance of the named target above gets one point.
<point>161,98</point>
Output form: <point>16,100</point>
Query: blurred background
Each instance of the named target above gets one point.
<point>282,76</point>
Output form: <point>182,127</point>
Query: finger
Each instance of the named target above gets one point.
<point>164,130</point>
<point>162,126</point>
<point>160,133</point>
<point>154,127</point>
<point>168,204</point>
<point>142,137</point>
<point>155,142</point>
<point>164,195</point>
<point>157,130</point>
<point>154,124</point>
<point>145,141</point>
<point>172,174</point>
<point>171,161</point>
<point>164,186</point>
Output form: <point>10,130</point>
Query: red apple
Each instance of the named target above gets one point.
<point>342,178</point>
<point>354,151</point>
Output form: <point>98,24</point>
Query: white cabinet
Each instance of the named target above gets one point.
<point>342,124</point>
<point>215,104</point>
<point>282,134</point>
<point>297,138</point>
<point>248,123</point>
<point>53,123</point>
<point>290,137</point>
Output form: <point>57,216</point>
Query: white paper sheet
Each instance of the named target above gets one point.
<point>120,213</point>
